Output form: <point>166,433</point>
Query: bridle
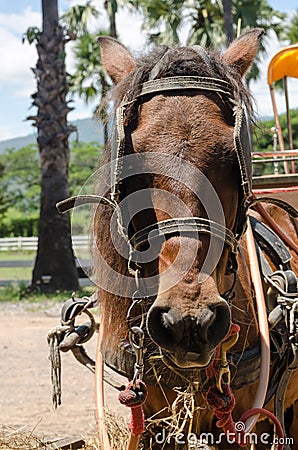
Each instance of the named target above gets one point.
<point>183,225</point>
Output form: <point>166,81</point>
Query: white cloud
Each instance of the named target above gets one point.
<point>17,57</point>
<point>18,23</point>
<point>16,129</point>
<point>129,25</point>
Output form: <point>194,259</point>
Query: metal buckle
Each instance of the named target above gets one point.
<point>224,365</point>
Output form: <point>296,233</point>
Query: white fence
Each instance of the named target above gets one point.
<point>30,243</point>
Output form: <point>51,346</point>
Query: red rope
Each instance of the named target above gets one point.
<point>134,399</point>
<point>224,403</point>
<point>279,431</point>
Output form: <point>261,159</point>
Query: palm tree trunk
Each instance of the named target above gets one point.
<point>54,266</point>
<point>228,20</point>
<point>111,7</point>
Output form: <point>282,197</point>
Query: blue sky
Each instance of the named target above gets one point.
<point>17,81</point>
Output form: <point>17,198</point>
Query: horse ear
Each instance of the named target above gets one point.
<point>242,52</point>
<point>116,59</point>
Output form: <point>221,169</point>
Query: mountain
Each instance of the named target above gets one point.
<point>89,130</point>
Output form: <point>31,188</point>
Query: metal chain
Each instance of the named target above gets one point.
<point>136,333</point>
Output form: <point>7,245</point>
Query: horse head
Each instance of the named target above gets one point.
<point>195,183</point>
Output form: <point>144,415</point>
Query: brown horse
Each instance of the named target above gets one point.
<point>181,150</point>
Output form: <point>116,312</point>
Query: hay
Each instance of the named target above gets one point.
<point>21,439</point>
<point>117,430</point>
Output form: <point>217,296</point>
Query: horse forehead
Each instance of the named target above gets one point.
<point>182,118</point>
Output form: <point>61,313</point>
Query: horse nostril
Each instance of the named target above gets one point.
<point>205,321</point>
<point>165,326</point>
<point>216,324</point>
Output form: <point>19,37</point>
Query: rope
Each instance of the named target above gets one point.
<point>223,404</point>
<point>134,399</point>
<point>54,339</point>
<point>55,360</point>
<point>279,431</point>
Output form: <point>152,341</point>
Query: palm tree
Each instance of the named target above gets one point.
<point>291,32</point>
<point>89,79</point>
<point>211,22</point>
<point>54,265</point>
<point>111,7</point>
<point>228,20</point>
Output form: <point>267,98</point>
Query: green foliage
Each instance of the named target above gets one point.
<point>263,137</point>
<point>84,160</point>
<point>20,189</point>
<point>85,81</point>
<point>31,35</point>
<point>163,20</point>
<point>19,291</point>
<point>20,184</point>
<point>77,18</point>
<point>20,179</point>
<point>292,29</point>
<point>88,80</point>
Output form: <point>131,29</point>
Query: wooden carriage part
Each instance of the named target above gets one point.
<point>284,64</point>
<point>282,183</point>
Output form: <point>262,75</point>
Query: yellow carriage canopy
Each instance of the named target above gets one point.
<point>284,64</point>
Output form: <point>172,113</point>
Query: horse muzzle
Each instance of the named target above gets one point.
<point>189,340</point>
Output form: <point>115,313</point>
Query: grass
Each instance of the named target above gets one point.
<point>16,273</point>
<point>14,255</point>
<point>19,274</point>
<point>16,292</point>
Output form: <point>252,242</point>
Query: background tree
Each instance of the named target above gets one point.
<point>291,32</point>
<point>89,79</point>
<point>208,21</point>
<point>20,184</point>
<point>111,7</point>
<point>55,259</point>
<point>228,20</point>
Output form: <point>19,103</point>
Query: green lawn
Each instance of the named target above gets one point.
<point>14,255</point>
<point>14,293</point>
<point>23,273</point>
<point>16,273</point>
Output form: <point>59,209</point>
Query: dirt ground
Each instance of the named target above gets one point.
<point>25,384</point>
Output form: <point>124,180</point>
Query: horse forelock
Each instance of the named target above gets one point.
<point>180,61</point>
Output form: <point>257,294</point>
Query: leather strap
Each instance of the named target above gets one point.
<point>277,202</point>
<point>77,200</point>
<point>185,226</point>
<point>184,82</point>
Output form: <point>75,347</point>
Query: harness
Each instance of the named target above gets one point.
<point>185,226</point>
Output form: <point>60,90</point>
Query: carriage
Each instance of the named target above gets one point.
<point>283,179</point>
<point>196,256</point>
